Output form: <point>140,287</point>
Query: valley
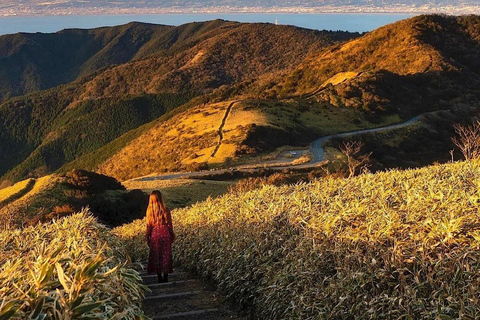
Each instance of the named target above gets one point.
<point>310,174</point>
<point>172,94</point>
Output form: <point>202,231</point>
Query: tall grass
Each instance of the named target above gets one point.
<point>393,245</point>
<point>72,268</point>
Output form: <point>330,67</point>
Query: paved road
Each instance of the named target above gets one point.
<point>316,149</point>
<point>317,146</point>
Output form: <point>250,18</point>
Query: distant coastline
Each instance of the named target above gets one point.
<point>401,9</point>
<point>353,22</point>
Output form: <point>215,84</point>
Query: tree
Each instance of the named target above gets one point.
<point>355,161</point>
<point>468,140</point>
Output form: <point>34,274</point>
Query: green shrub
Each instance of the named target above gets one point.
<point>72,268</point>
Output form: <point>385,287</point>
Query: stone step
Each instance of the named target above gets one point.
<point>184,297</point>
<point>153,278</point>
<point>189,314</point>
<point>169,283</point>
<point>172,295</point>
<point>177,303</point>
<point>175,287</point>
<point>174,274</point>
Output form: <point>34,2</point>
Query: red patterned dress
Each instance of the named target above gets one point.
<point>159,238</point>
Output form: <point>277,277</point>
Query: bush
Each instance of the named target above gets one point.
<point>92,182</point>
<point>72,268</point>
<point>399,244</point>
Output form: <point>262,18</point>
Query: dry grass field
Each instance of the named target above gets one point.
<point>391,245</point>
<point>73,268</point>
<point>35,189</point>
<point>187,141</point>
<point>14,192</point>
<point>182,192</point>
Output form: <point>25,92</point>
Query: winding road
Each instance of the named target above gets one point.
<point>316,149</point>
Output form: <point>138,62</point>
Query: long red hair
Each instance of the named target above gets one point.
<point>156,211</point>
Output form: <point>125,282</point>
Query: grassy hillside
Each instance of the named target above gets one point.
<point>389,74</point>
<point>55,196</point>
<point>45,130</point>
<point>190,139</point>
<point>293,85</point>
<point>41,133</point>
<point>397,244</point>
<point>64,274</point>
<point>419,64</point>
<point>231,54</point>
<point>32,62</point>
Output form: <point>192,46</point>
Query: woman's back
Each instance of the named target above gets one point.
<point>159,236</point>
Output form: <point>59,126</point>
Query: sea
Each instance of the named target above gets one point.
<point>353,22</point>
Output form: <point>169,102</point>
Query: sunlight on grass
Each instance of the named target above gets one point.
<point>12,191</point>
<point>72,268</point>
<point>398,244</point>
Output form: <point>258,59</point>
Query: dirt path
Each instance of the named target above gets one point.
<point>220,129</point>
<point>184,297</point>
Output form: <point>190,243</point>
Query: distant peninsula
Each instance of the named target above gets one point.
<point>95,7</point>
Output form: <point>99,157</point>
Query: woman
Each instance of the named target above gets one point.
<point>159,237</point>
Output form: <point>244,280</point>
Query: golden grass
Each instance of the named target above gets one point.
<point>395,48</point>
<point>392,245</point>
<point>204,119</point>
<point>182,192</point>
<point>195,60</point>
<point>73,268</point>
<point>188,139</point>
<point>226,151</point>
<point>340,77</point>
<point>12,191</point>
<point>41,185</point>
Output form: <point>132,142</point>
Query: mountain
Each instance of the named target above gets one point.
<point>32,62</point>
<point>424,64</point>
<point>207,95</point>
<point>165,67</point>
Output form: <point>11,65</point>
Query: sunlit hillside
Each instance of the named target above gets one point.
<point>54,196</point>
<point>404,48</point>
<point>190,140</point>
<point>391,245</point>
<point>127,76</point>
<point>172,96</point>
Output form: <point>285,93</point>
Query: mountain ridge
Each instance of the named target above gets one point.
<point>294,85</point>
<point>182,61</point>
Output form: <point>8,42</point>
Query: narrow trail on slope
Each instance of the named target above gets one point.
<point>184,297</point>
<point>220,129</point>
<point>324,86</point>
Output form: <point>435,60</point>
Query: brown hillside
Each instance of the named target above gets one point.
<point>421,64</point>
<point>190,140</point>
<point>423,44</point>
<point>226,55</point>
<point>426,63</point>
<point>168,66</point>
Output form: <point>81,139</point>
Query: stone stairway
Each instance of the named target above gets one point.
<point>184,297</point>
